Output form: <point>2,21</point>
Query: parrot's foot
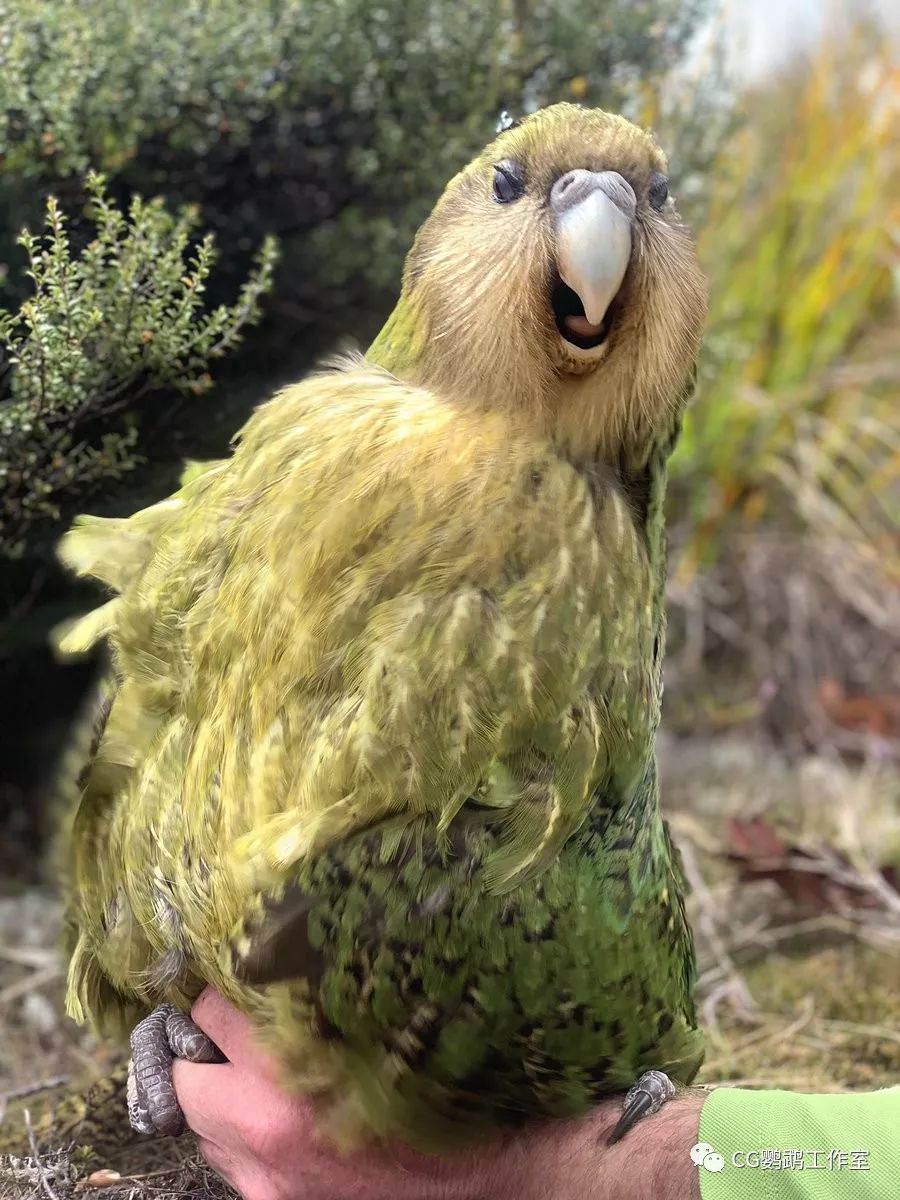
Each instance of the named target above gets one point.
<point>644,1098</point>
<point>156,1042</point>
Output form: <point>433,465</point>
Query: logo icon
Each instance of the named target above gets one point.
<point>703,1155</point>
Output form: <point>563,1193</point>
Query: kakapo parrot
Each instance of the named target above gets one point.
<point>377,760</point>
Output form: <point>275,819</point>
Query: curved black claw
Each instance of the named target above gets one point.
<point>644,1098</point>
<point>156,1042</point>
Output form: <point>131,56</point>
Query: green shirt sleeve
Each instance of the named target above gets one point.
<point>789,1146</point>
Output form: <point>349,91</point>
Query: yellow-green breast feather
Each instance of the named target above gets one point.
<point>379,607</point>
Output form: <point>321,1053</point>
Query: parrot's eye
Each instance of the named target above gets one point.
<point>658,191</point>
<point>508,182</point>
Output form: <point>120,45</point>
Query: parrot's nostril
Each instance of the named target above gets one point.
<point>566,189</point>
<point>575,186</point>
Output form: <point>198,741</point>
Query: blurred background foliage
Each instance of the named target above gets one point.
<point>136,333</point>
<point>785,507</point>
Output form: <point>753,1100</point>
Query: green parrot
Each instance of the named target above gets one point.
<point>377,760</point>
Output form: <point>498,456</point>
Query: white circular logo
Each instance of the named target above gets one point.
<point>703,1155</point>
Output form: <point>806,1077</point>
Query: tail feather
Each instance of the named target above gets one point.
<point>77,636</point>
<point>116,550</point>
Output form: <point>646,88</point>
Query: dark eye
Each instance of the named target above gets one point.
<point>658,191</point>
<point>508,182</point>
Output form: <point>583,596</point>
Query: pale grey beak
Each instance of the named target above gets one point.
<point>594,211</point>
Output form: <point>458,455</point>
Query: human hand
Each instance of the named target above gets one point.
<point>263,1141</point>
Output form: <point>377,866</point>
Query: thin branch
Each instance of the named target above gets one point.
<point>30,983</point>
<point>31,1089</point>
<point>761,1037</point>
<point>32,1141</point>
<point>27,956</point>
<point>736,986</point>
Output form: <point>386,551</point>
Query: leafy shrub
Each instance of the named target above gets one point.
<point>330,123</point>
<point>104,330</point>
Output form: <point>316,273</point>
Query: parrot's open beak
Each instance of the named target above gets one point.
<point>593,211</point>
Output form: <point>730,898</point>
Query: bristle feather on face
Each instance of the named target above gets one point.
<point>476,293</point>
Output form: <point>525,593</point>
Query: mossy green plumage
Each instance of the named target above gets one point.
<point>379,764</point>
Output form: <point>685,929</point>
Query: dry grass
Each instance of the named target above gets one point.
<point>785,506</point>
<point>805,999</point>
<point>44,1057</point>
<point>57,1175</point>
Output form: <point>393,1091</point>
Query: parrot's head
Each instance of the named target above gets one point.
<point>554,276</point>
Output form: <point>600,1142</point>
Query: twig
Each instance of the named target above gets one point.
<point>30,983</point>
<point>768,939</point>
<point>854,1028</point>
<point>870,877</point>
<point>858,923</point>
<point>733,988</point>
<point>829,866</point>
<point>30,1089</point>
<point>177,1169</point>
<point>32,1141</point>
<point>760,1036</point>
<point>886,941</point>
<point>737,985</point>
<point>27,956</point>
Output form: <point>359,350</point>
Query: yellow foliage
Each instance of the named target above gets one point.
<point>798,392</point>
